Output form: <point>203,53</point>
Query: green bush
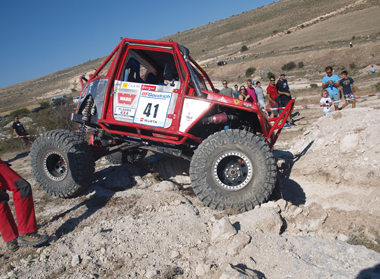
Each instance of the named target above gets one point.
<point>314,85</point>
<point>250,71</point>
<point>45,104</point>
<point>288,66</point>
<point>301,65</point>
<point>352,66</point>
<point>270,74</point>
<point>244,48</point>
<point>377,86</point>
<point>19,112</point>
<point>56,118</point>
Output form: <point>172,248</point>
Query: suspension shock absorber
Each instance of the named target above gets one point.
<point>86,113</point>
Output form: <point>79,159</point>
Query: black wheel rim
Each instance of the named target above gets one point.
<point>232,170</point>
<point>55,166</point>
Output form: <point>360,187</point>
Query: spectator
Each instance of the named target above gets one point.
<point>25,232</point>
<point>251,92</point>
<point>226,91</point>
<point>331,83</point>
<point>284,93</point>
<point>236,92</point>
<point>345,83</point>
<point>19,130</point>
<point>372,69</point>
<point>243,94</point>
<point>274,100</point>
<point>350,44</point>
<point>325,102</point>
<point>260,94</point>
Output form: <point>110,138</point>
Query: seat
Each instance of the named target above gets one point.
<point>151,79</point>
<point>132,71</point>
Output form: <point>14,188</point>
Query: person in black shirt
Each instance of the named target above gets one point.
<point>284,93</point>
<point>19,130</point>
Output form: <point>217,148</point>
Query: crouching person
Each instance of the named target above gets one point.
<point>25,232</point>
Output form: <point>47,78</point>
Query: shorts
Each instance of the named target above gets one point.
<point>285,100</point>
<point>335,99</point>
<point>327,112</point>
<point>349,97</point>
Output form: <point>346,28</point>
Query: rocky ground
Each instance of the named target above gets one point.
<point>144,221</point>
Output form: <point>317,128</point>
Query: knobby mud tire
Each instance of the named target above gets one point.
<point>132,156</point>
<point>237,157</point>
<point>62,163</point>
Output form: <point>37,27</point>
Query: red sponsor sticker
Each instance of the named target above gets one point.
<point>125,98</point>
<point>148,87</point>
<point>144,93</point>
<point>141,119</point>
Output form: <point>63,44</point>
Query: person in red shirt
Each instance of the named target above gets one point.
<point>272,94</point>
<point>25,232</point>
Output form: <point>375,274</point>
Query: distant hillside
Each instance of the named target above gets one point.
<point>228,35</point>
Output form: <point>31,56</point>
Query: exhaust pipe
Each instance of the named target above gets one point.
<point>220,118</point>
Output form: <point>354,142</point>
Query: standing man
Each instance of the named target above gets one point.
<point>272,95</point>
<point>19,130</point>
<point>260,94</point>
<point>251,92</point>
<point>331,83</point>
<point>226,91</point>
<point>284,93</point>
<point>25,232</point>
<point>372,69</point>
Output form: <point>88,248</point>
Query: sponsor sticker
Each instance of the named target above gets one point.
<point>125,98</point>
<point>247,105</point>
<point>148,87</point>
<point>236,101</point>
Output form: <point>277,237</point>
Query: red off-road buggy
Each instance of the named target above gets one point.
<point>151,95</point>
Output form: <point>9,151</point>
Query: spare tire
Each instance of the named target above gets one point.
<point>233,168</point>
<point>62,163</point>
<point>129,156</point>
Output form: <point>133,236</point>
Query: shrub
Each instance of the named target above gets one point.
<point>44,104</point>
<point>313,85</point>
<point>19,112</point>
<point>57,118</point>
<point>352,66</point>
<point>270,74</point>
<point>250,71</point>
<point>288,66</point>
<point>301,65</point>
<point>377,86</point>
<point>244,48</point>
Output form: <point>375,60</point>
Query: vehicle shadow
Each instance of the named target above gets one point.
<point>96,196</point>
<point>289,189</point>
<point>373,272</point>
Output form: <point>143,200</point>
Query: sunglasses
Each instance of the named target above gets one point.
<point>272,80</point>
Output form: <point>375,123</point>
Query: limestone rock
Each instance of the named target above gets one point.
<point>164,186</point>
<point>266,219</point>
<point>349,143</point>
<point>238,242</point>
<point>222,230</point>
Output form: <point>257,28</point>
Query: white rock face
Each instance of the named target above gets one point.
<point>349,143</point>
<point>222,230</point>
<point>266,219</point>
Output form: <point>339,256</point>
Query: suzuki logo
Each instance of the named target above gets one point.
<point>125,98</point>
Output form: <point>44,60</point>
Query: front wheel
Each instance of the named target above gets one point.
<point>233,168</point>
<point>62,163</point>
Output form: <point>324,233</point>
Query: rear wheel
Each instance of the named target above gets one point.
<point>233,168</point>
<point>62,163</point>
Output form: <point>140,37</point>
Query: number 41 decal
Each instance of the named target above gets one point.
<point>148,108</point>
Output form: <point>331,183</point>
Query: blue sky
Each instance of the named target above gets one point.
<point>42,37</point>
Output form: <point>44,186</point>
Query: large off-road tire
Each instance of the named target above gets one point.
<point>62,163</point>
<point>233,168</point>
<point>129,156</point>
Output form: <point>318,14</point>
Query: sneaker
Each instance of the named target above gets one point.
<point>12,245</point>
<point>33,239</point>
<point>287,125</point>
